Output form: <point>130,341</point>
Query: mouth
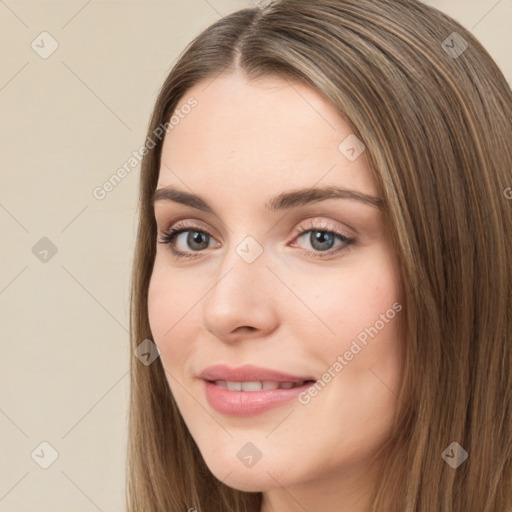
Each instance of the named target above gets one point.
<point>259,385</point>
<point>249,377</point>
<point>250,390</point>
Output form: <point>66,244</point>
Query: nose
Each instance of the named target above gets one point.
<point>242,299</point>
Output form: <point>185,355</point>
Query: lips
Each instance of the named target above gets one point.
<point>257,385</point>
<point>249,390</point>
<point>251,374</point>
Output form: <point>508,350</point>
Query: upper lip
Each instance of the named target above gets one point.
<point>248,373</point>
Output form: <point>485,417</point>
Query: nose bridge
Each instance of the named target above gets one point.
<point>242,267</point>
<point>239,296</point>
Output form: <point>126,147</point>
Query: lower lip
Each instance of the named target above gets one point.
<point>247,403</point>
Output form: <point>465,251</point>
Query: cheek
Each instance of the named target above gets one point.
<point>358,312</point>
<point>158,297</point>
<point>347,302</point>
<point>170,311</point>
<point>368,308</point>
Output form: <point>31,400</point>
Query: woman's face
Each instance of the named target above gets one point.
<point>250,289</point>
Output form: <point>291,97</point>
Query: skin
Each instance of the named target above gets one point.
<point>243,143</point>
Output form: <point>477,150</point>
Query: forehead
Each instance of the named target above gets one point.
<point>270,133</point>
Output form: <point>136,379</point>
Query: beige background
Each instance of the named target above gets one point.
<point>68,123</point>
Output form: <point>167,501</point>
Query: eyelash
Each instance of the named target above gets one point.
<point>168,237</point>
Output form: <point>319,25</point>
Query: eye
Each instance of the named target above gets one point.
<point>195,240</point>
<point>322,239</point>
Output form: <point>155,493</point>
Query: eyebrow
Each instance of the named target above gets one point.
<point>283,201</point>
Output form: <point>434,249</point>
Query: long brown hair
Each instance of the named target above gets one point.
<point>435,114</point>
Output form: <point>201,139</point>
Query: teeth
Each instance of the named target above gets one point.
<point>269,385</point>
<point>234,386</point>
<point>266,385</point>
<point>252,386</point>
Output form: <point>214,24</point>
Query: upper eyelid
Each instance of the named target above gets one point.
<point>312,224</point>
<point>306,212</point>
<point>186,225</point>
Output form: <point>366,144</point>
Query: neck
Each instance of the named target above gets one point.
<point>336,492</point>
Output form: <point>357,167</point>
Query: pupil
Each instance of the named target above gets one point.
<point>319,237</point>
<point>196,237</point>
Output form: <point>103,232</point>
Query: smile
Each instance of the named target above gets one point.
<point>258,385</point>
<point>248,398</point>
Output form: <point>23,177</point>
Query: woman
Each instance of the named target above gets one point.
<point>340,339</point>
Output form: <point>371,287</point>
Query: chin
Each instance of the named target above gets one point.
<point>244,481</point>
<point>255,479</point>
